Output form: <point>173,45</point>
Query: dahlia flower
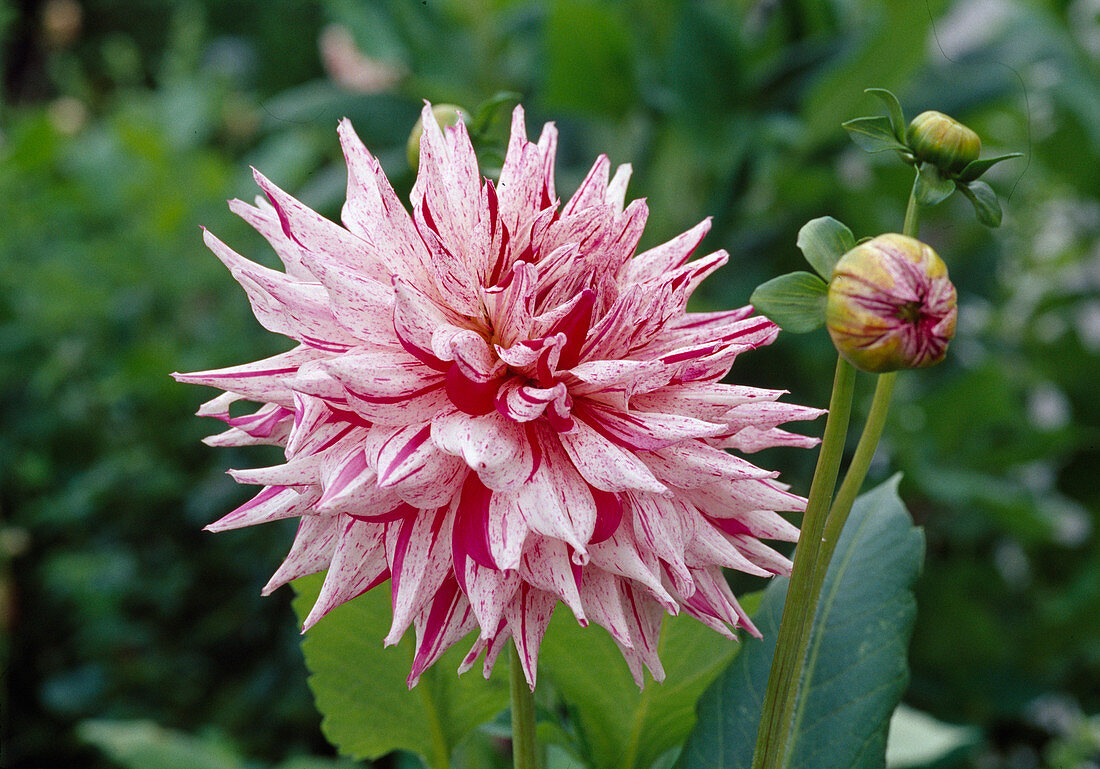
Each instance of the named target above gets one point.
<point>494,405</point>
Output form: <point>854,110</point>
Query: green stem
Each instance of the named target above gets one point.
<point>857,472</point>
<point>525,752</point>
<point>912,214</point>
<point>779,699</point>
<point>868,441</point>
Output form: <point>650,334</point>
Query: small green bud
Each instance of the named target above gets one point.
<point>942,141</point>
<point>891,305</point>
<point>445,115</point>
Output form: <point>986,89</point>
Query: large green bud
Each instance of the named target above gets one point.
<point>891,305</point>
<point>942,141</point>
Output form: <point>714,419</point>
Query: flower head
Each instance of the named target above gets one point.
<point>496,406</point>
<point>891,305</point>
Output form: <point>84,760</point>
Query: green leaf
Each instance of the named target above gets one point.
<point>795,301</point>
<point>823,241</point>
<point>360,689</point>
<point>145,745</point>
<point>620,726</point>
<point>856,663</point>
<point>976,168</point>
<point>897,117</point>
<point>931,186</point>
<point>985,202</point>
<point>873,134</point>
<point>916,739</point>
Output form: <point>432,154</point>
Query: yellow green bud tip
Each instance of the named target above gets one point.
<point>891,305</point>
<point>445,115</point>
<point>942,141</point>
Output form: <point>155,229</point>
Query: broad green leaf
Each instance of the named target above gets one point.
<point>795,301</point>
<point>360,689</point>
<point>823,241</point>
<point>897,117</point>
<point>976,168</point>
<point>856,663</point>
<point>931,186</point>
<point>146,745</point>
<point>620,726</point>
<point>916,739</point>
<point>985,202</point>
<point>873,134</point>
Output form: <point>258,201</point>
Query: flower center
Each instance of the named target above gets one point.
<point>910,312</point>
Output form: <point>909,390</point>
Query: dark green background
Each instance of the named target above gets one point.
<point>120,137</point>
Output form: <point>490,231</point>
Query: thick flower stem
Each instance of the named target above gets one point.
<point>853,479</point>
<point>525,752</point>
<point>772,741</point>
<point>868,440</point>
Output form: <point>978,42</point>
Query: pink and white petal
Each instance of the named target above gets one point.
<point>592,191</point>
<point>762,555</point>
<point>311,552</point>
<point>351,486</point>
<point>263,380</point>
<point>666,257</point>
<point>439,625</point>
<point>509,305</point>
<point>750,439</point>
<point>374,212</point>
<point>418,551</point>
<point>710,545</point>
<point>663,527</point>
<point>616,188</point>
<point>389,386</point>
<point>273,503</point>
<point>605,465</point>
<point>692,464</point>
<point>506,530</point>
<point>642,430</point>
<point>321,239</point>
<point>712,586</point>
<point>738,497</point>
<point>619,555</point>
<point>415,319</point>
<point>300,471</point>
<point>265,220</point>
<point>556,502</point>
<point>358,564</point>
<point>519,401</point>
<point>602,600</point>
<point>643,616</point>
<point>493,446</point>
<point>301,311</point>
<point>528,616</point>
<point>489,592</point>
<point>770,414</point>
<point>546,565</point>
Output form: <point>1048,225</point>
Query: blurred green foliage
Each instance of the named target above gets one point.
<point>125,125</point>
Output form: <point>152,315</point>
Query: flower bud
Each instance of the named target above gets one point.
<point>942,141</point>
<point>891,305</point>
<point>445,115</point>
